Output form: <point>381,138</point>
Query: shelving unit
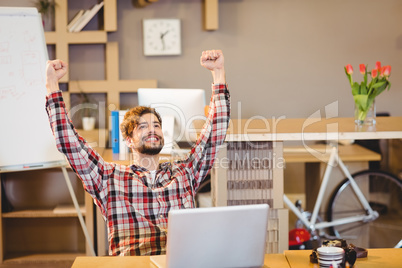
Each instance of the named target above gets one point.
<point>62,39</point>
<point>41,235</point>
<point>112,85</point>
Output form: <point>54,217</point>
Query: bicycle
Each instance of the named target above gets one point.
<point>363,209</point>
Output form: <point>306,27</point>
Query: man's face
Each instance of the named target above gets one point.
<point>147,136</point>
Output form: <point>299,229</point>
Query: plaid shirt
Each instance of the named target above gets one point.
<point>136,209</point>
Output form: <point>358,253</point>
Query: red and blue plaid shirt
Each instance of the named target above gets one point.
<point>134,207</point>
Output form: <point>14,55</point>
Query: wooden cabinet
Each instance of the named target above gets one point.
<point>38,221</point>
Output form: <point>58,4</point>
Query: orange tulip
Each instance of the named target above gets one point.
<point>349,69</point>
<point>378,65</point>
<point>386,70</point>
<point>362,68</point>
<point>374,73</point>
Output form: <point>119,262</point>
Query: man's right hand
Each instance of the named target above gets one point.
<point>55,69</point>
<point>213,61</point>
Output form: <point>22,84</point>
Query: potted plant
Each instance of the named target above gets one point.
<point>46,8</point>
<point>87,110</point>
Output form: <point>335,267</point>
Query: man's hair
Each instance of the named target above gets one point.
<point>132,118</point>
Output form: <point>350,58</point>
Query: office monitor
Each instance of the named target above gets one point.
<point>178,109</point>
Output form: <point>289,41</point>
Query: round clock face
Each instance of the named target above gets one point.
<point>162,37</point>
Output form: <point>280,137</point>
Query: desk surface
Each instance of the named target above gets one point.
<point>296,129</point>
<point>321,152</point>
<point>390,258</point>
<point>270,261</point>
<point>291,129</point>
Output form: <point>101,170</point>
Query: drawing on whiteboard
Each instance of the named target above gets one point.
<point>32,70</point>
<point>5,60</point>
<point>10,93</point>
<point>4,47</point>
<point>5,57</point>
<point>29,39</point>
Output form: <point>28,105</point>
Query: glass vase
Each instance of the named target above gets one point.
<point>365,117</point>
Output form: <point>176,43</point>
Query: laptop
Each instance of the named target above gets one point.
<point>232,236</point>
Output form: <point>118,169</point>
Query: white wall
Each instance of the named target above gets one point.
<point>283,57</point>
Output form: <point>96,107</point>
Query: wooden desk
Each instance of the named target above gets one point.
<point>230,172</point>
<point>270,261</point>
<point>348,153</point>
<point>311,129</point>
<point>389,258</point>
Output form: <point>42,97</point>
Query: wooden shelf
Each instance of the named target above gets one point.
<point>211,15</point>
<point>112,86</point>
<point>49,213</point>
<point>86,37</point>
<point>54,231</point>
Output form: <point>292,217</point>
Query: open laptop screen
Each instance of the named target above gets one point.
<point>231,236</point>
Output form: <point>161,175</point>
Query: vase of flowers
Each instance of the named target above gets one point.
<point>365,116</point>
<point>364,94</point>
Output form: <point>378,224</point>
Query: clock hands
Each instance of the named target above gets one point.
<point>162,36</point>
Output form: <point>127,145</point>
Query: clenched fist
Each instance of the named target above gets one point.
<point>213,60</point>
<point>55,69</point>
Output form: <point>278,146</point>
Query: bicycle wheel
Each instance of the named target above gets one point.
<point>384,193</point>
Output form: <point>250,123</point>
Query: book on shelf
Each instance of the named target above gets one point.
<point>118,143</point>
<point>86,16</point>
<point>250,173</point>
<point>123,149</point>
<point>74,26</point>
<point>115,131</point>
<point>74,20</point>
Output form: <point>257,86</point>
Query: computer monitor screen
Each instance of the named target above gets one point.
<point>184,105</point>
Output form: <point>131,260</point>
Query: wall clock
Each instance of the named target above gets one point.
<point>161,37</point>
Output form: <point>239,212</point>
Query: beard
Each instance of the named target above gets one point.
<point>151,150</point>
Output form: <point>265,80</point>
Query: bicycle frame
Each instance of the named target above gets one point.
<point>312,223</point>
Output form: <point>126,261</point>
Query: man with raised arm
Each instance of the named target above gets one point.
<point>135,200</point>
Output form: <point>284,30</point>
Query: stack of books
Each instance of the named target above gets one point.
<point>82,18</point>
<point>250,178</point>
<point>250,181</point>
